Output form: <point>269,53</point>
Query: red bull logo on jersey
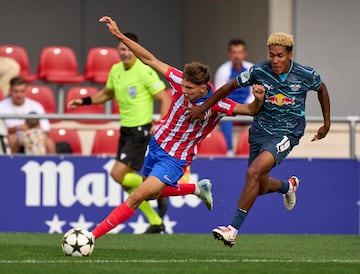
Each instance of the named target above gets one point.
<point>280,100</point>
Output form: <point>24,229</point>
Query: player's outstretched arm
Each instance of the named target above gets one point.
<point>254,107</point>
<point>143,54</point>
<point>324,99</point>
<point>197,112</point>
<point>100,97</point>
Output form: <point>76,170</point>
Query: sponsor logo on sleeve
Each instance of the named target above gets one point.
<point>245,76</point>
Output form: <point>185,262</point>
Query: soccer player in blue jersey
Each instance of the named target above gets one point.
<point>277,128</point>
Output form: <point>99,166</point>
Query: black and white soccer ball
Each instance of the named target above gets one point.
<point>78,242</point>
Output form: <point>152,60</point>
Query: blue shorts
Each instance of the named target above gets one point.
<point>278,145</point>
<point>160,164</point>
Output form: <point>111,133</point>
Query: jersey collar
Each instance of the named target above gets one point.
<point>283,76</point>
<point>203,99</point>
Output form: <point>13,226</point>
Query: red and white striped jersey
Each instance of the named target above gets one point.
<point>177,136</point>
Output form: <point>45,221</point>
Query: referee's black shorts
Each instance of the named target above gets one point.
<point>132,145</point>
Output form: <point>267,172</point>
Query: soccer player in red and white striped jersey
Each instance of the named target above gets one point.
<point>176,140</point>
<point>176,135</point>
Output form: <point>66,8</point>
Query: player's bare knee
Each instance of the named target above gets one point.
<point>252,175</point>
<point>118,177</point>
<point>153,196</point>
<point>114,176</point>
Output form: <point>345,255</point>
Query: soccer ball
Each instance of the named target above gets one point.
<point>78,242</point>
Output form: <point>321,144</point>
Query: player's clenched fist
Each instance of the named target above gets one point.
<point>259,91</point>
<point>73,104</point>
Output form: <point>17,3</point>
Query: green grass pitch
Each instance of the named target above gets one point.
<point>183,253</point>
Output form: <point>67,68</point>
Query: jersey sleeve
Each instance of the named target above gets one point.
<point>316,81</point>
<point>225,107</point>
<point>174,76</point>
<point>153,82</point>
<point>245,78</point>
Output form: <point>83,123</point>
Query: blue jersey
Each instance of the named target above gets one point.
<point>240,94</point>
<point>283,111</point>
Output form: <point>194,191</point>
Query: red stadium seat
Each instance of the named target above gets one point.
<point>243,147</point>
<point>106,141</point>
<point>99,62</point>
<point>20,55</point>
<point>79,92</point>
<point>58,65</point>
<point>115,107</point>
<point>44,95</point>
<point>68,135</point>
<point>213,145</point>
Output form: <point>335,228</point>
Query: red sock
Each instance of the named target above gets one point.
<point>182,190</point>
<point>117,216</point>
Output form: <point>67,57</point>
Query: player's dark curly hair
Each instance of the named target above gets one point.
<point>197,73</point>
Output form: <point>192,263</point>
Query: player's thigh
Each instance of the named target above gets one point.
<point>168,170</point>
<point>261,165</point>
<point>148,190</point>
<point>279,147</point>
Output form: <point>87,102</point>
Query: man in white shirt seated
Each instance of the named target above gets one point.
<point>17,103</point>
<point>227,71</point>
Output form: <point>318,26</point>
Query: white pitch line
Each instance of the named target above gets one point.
<point>179,261</point>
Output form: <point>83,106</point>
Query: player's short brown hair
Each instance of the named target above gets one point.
<point>197,73</point>
<point>281,39</point>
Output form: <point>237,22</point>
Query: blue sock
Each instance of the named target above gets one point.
<point>284,187</point>
<point>239,218</point>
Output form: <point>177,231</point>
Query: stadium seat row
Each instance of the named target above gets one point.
<point>44,95</point>
<point>106,141</point>
<point>59,65</point>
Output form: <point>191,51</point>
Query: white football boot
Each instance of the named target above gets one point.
<point>205,193</point>
<point>226,234</point>
<point>290,198</point>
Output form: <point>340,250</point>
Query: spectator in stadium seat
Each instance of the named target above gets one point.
<point>17,103</point>
<point>236,64</point>
<point>135,86</point>
<point>35,139</point>
<point>9,68</point>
